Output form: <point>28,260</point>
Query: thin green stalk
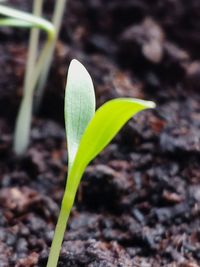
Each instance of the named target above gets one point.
<point>74,175</point>
<point>23,122</point>
<point>56,21</point>
<point>33,46</point>
<point>39,65</point>
<point>56,245</point>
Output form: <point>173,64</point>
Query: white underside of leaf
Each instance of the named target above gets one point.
<point>79,106</point>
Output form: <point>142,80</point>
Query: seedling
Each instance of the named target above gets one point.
<point>87,135</point>
<point>36,69</point>
<point>16,18</point>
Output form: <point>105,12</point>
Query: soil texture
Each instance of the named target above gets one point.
<point>139,200</point>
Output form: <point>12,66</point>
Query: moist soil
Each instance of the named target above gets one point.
<point>139,200</point>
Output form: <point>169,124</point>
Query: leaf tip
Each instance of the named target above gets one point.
<point>76,64</point>
<point>75,61</point>
<point>144,103</point>
<point>80,73</point>
<point>150,104</point>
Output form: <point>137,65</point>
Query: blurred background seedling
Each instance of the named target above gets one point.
<point>38,64</point>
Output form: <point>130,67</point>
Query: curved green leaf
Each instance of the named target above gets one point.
<point>28,19</point>
<point>79,106</point>
<point>106,123</point>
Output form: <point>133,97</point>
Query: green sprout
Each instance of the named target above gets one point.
<point>36,70</point>
<point>16,18</point>
<point>87,134</point>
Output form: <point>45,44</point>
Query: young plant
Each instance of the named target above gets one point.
<point>36,71</point>
<point>16,18</point>
<point>87,135</point>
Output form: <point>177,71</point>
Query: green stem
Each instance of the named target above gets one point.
<point>66,207</point>
<point>33,46</point>
<point>74,176</point>
<point>23,122</point>
<point>56,21</point>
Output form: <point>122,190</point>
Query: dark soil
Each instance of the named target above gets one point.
<point>139,201</point>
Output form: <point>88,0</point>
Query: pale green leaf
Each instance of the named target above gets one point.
<point>106,123</point>
<point>15,23</point>
<point>79,106</point>
<point>28,19</point>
